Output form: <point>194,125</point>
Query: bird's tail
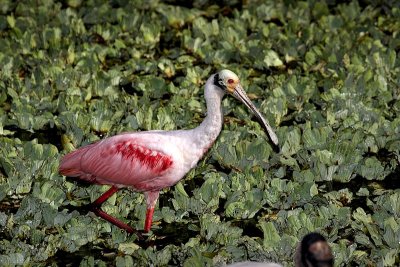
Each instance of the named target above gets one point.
<point>70,164</point>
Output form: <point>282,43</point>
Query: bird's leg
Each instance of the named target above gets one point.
<point>95,208</point>
<point>149,219</point>
<point>151,199</point>
<point>113,220</point>
<point>106,195</point>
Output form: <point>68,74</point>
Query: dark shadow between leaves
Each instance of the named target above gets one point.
<point>64,258</point>
<point>249,227</point>
<point>171,233</point>
<point>47,135</point>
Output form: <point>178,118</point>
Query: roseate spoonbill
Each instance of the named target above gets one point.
<point>312,251</point>
<point>149,161</point>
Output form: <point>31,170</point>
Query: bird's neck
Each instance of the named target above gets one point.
<point>207,132</point>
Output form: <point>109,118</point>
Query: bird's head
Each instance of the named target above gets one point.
<point>314,250</point>
<point>229,82</point>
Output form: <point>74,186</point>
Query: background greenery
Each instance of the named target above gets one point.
<point>325,74</point>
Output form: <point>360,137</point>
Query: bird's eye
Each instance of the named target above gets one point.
<point>230,81</point>
<point>221,82</point>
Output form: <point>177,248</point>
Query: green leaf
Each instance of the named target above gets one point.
<point>271,236</point>
<point>272,59</point>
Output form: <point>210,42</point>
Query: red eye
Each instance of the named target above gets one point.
<point>230,81</point>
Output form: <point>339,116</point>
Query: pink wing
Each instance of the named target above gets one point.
<point>120,160</point>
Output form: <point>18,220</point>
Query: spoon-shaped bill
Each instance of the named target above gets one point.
<point>241,95</point>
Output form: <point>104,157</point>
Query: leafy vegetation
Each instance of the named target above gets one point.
<point>325,74</point>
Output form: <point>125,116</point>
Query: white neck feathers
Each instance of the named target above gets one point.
<point>209,129</point>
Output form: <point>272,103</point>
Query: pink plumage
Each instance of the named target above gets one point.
<point>153,160</point>
<point>122,160</point>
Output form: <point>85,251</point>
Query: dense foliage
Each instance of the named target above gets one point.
<point>326,75</point>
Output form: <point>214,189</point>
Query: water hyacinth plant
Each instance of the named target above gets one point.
<point>325,74</point>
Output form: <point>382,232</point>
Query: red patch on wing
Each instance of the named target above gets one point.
<point>154,160</point>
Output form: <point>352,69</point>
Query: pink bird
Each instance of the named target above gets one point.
<point>152,160</point>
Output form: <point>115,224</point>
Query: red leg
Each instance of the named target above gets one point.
<point>95,207</point>
<point>113,220</point>
<point>106,195</point>
<point>151,200</point>
<point>149,219</point>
